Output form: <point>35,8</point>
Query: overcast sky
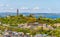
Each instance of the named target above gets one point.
<point>41,6</point>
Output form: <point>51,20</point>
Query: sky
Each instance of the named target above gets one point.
<point>32,6</point>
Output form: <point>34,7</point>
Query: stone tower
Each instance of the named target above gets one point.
<point>17,12</point>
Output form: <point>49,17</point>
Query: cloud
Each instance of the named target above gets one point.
<point>4,5</point>
<point>1,4</point>
<point>11,8</point>
<point>26,9</point>
<point>35,8</point>
<point>7,5</point>
<point>23,8</point>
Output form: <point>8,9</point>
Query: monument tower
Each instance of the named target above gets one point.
<point>17,12</point>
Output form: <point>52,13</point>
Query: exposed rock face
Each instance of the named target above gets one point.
<point>57,24</point>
